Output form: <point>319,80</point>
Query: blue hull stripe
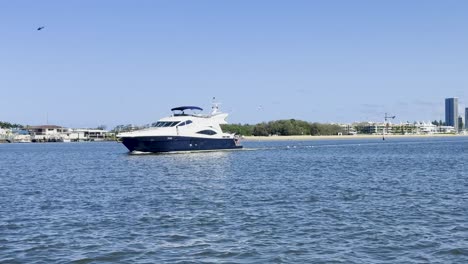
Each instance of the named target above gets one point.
<point>175,143</point>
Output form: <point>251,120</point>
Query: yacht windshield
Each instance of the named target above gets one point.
<point>165,124</point>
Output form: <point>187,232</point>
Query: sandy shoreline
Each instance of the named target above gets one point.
<point>300,138</point>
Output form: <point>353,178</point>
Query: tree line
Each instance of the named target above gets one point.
<point>288,127</point>
<point>9,125</point>
<point>440,123</point>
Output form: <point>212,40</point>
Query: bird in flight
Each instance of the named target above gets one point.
<point>40,28</point>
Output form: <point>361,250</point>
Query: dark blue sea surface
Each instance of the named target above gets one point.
<point>341,201</point>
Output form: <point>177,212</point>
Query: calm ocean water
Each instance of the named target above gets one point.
<point>344,201</point>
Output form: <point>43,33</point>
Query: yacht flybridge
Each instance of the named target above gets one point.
<point>183,131</point>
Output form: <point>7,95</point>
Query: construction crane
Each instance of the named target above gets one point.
<point>386,124</point>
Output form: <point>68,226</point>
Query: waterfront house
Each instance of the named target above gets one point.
<point>48,133</point>
<point>84,134</point>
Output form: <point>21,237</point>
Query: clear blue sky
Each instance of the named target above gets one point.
<point>122,62</point>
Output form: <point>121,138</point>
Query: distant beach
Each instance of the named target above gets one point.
<point>308,137</point>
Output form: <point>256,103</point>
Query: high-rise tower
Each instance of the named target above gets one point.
<point>466,118</point>
<point>451,112</point>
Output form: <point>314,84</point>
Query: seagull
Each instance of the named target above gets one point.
<point>40,28</point>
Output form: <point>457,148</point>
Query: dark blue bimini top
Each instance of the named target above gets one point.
<point>182,108</point>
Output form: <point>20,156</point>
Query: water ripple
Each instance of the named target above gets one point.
<point>357,201</point>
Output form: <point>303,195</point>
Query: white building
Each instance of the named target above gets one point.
<point>446,129</point>
<point>47,133</point>
<point>3,134</point>
<point>427,128</point>
<point>84,134</point>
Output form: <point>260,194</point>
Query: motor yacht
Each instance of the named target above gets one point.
<point>185,130</point>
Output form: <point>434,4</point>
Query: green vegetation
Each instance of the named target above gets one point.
<point>245,130</point>
<point>288,127</point>
<point>123,128</point>
<point>438,123</point>
<point>9,125</point>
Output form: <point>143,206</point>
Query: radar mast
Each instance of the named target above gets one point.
<point>214,106</point>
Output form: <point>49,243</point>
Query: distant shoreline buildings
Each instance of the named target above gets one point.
<point>454,124</point>
<point>52,133</point>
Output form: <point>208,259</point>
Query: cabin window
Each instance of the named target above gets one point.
<point>207,132</point>
<point>185,123</point>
